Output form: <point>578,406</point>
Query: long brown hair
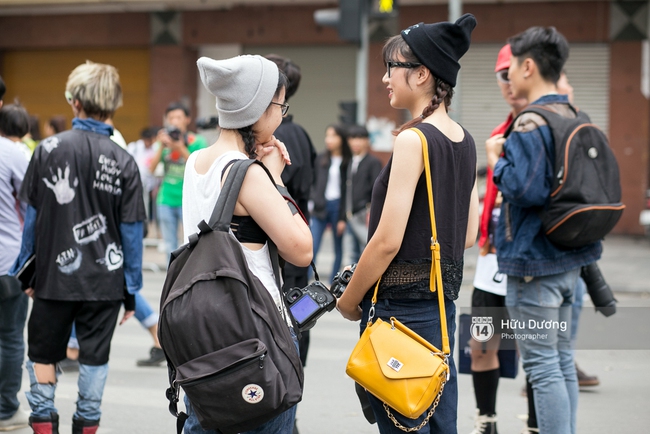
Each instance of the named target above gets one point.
<point>346,152</point>
<point>442,91</point>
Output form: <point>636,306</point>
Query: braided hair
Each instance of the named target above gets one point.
<point>248,135</point>
<point>442,91</point>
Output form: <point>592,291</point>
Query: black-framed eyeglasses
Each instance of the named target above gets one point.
<point>284,105</point>
<point>502,76</point>
<point>408,65</point>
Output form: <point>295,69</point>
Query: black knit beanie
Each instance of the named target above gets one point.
<point>440,46</point>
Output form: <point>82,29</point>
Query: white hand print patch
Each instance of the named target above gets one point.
<point>60,185</point>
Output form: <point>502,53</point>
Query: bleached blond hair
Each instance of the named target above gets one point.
<point>97,87</point>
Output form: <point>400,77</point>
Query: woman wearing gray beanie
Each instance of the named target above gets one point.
<point>250,94</point>
<point>421,69</point>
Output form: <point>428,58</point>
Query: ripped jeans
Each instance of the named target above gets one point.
<point>92,380</point>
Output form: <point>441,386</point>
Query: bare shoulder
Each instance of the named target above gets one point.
<point>406,141</point>
<point>259,176</point>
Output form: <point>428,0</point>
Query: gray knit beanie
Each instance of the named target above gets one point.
<point>244,87</point>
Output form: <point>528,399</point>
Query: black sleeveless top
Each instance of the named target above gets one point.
<point>245,229</point>
<point>453,173</point>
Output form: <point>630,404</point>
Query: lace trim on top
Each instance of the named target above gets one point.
<point>410,279</point>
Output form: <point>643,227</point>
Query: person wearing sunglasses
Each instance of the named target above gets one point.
<point>489,292</point>
<point>422,65</point>
<point>542,277</point>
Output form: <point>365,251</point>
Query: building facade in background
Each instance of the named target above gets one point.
<point>155,45</point>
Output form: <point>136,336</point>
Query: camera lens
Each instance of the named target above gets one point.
<point>174,133</point>
<point>599,291</point>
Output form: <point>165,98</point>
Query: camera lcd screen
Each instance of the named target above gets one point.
<point>303,308</point>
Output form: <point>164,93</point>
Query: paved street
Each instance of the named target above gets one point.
<point>134,399</point>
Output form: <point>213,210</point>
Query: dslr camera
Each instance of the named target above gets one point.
<point>309,303</point>
<point>341,280</point>
<point>599,291</point>
<point>174,133</point>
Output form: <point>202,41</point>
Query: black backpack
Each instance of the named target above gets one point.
<point>585,202</point>
<point>227,345</point>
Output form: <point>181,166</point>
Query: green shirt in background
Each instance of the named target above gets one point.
<point>171,188</point>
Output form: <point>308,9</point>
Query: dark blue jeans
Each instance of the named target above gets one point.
<point>170,217</point>
<point>318,227</point>
<point>281,424</point>
<point>13,313</point>
<point>423,318</point>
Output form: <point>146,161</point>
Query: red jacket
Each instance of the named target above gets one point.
<point>491,190</point>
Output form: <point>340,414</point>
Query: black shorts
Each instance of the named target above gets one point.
<point>489,304</point>
<point>50,325</point>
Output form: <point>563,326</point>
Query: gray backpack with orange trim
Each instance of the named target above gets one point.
<point>585,202</point>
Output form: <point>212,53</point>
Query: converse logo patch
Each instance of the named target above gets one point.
<point>252,393</point>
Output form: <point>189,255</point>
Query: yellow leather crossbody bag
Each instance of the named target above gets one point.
<point>395,364</point>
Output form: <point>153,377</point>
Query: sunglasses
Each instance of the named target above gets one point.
<point>408,65</point>
<point>502,76</point>
<point>284,105</point>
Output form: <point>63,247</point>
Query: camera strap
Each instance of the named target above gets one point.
<point>313,267</point>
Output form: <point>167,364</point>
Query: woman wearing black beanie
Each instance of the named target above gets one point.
<point>421,70</point>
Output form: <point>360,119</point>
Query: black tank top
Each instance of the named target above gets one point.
<point>246,230</point>
<point>453,173</point>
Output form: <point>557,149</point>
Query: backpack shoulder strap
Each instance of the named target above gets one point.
<point>551,116</point>
<point>225,206</point>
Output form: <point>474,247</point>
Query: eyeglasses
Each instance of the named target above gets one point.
<point>284,105</point>
<point>502,76</point>
<point>408,65</point>
<point>68,97</point>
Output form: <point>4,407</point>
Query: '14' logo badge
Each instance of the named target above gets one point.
<point>482,329</point>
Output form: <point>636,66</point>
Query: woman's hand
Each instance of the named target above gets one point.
<point>349,312</point>
<point>274,155</point>
<point>340,227</point>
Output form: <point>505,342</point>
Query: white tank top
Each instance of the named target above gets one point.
<point>200,194</point>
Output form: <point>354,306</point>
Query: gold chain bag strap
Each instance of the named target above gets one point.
<point>394,363</point>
